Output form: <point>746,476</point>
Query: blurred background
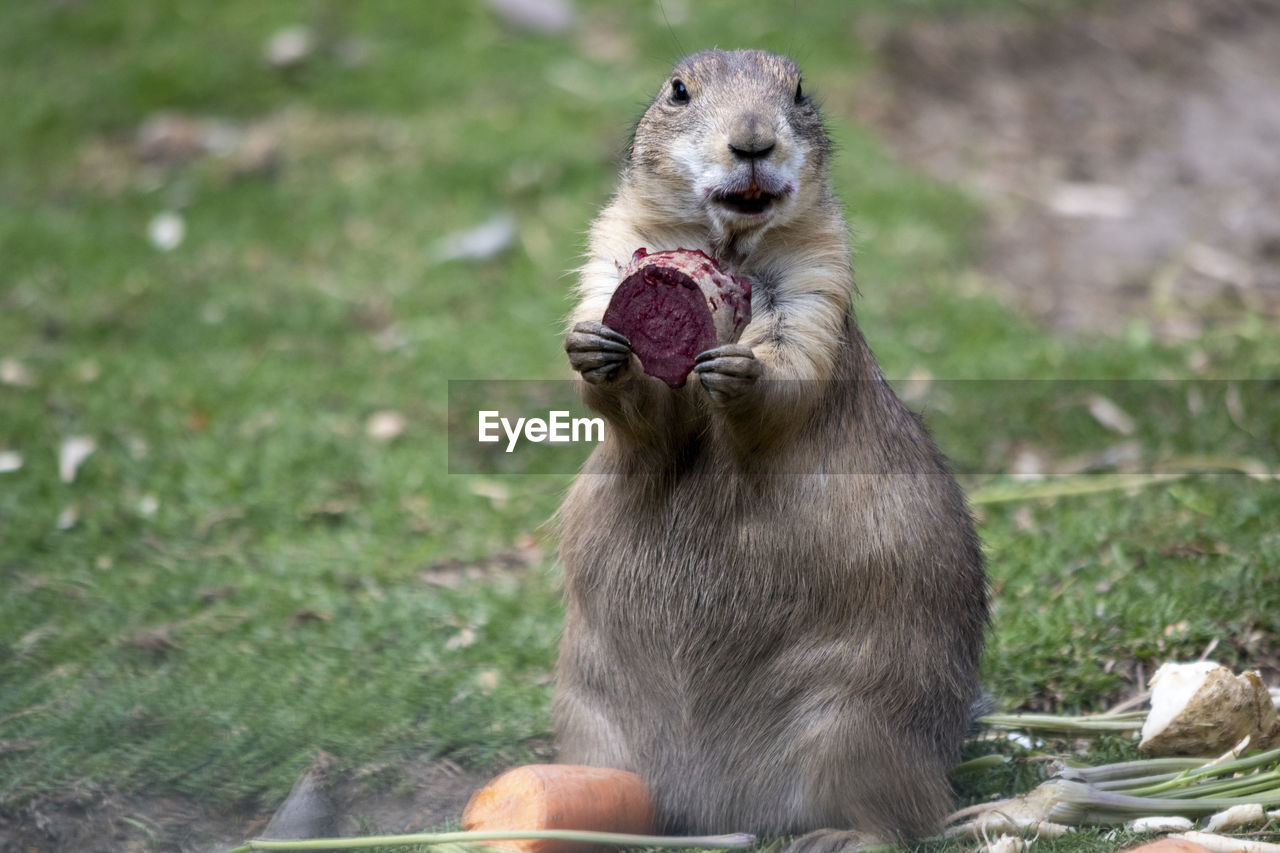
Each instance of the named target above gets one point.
<point>245,246</point>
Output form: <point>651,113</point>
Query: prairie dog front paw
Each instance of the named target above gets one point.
<point>728,372</point>
<point>597,352</point>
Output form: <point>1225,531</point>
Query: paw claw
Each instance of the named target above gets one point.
<point>597,352</point>
<point>727,372</point>
<point>726,351</point>
<point>600,330</point>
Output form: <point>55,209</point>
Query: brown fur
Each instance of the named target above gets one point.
<point>776,599</point>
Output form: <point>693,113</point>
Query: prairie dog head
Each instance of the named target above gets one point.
<point>730,142</point>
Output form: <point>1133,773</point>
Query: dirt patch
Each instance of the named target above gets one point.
<point>95,821</point>
<point>1128,157</point>
<point>416,797</point>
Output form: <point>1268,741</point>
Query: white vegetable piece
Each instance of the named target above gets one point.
<point>1236,817</point>
<point>1160,823</point>
<point>1227,844</point>
<point>1203,708</point>
<point>1007,844</point>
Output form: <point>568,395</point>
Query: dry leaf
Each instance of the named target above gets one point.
<point>15,373</point>
<point>307,614</point>
<point>205,524</point>
<point>332,510</point>
<point>170,138</point>
<point>88,370</point>
<point>479,243</point>
<point>451,572</point>
<point>494,491</point>
<point>1027,462</point>
<point>1235,406</point>
<point>166,230</point>
<point>1107,458</point>
<point>257,150</point>
<point>28,641</point>
<point>548,17</point>
<point>1219,265</point>
<point>916,387</point>
<point>1091,201</point>
<point>447,576</point>
<point>385,426</point>
<point>10,460</point>
<point>289,47</point>
<point>72,454</point>
<point>18,745</point>
<point>210,595</point>
<point>461,640</point>
<point>156,640</point>
<point>1111,416</point>
<point>68,517</point>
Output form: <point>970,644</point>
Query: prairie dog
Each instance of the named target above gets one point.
<point>776,596</point>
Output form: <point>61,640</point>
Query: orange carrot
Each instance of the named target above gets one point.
<point>561,796</point>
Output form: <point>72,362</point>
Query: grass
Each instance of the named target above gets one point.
<point>240,575</point>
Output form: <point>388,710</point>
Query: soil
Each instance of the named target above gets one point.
<point>425,795</point>
<point>1128,158</point>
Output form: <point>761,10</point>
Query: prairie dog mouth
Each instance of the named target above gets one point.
<point>754,200</point>
<point>747,204</point>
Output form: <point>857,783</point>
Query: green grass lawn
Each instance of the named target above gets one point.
<point>240,574</point>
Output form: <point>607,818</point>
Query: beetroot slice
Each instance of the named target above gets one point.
<point>674,305</point>
<point>663,314</point>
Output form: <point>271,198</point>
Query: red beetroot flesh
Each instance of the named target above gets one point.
<point>674,305</point>
<point>663,314</point>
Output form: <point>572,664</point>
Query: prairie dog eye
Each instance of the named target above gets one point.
<point>799,93</point>
<point>679,94</point>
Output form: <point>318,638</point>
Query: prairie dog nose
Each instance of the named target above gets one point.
<point>751,137</point>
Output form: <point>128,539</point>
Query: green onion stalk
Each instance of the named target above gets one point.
<point>1116,793</point>
<point>476,839</point>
